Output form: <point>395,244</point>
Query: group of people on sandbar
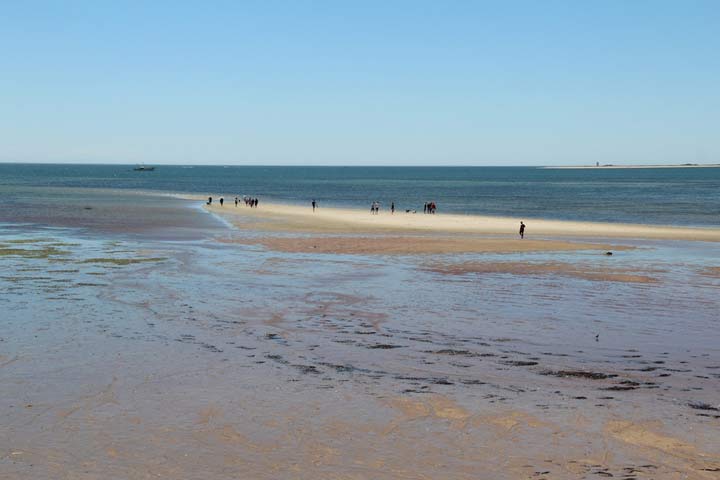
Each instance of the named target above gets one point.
<point>429,207</point>
<point>249,202</point>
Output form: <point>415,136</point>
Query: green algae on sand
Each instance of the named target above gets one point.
<point>43,252</point>
<point>122,261</point>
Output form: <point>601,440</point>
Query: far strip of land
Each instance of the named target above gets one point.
<point>610,166</point>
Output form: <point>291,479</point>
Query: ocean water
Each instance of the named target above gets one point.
<point>681,196</point>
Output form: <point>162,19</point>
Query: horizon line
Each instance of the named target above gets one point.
<point>607,165</point>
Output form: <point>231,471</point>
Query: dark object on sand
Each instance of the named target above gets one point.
<point>703,406</point>
<point>608,253</point>
<point>209,202</point>
<point>579,374</point>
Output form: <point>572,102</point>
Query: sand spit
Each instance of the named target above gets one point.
<point>413,245</point>
<point>586,272</point>
<point>293,218</point>
<point>618,167</point>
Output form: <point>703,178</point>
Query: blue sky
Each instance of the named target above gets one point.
<point>360,83</point>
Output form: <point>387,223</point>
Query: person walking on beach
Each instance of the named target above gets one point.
<point>522,230</point>
<point>209,201</point>
<point>314,204</point>
<point>221,201</point>
<point>236,201</point>
<point>392,208</point>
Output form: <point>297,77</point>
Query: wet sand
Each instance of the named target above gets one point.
<point>576,270</point>
<point>412,244</point>
<point>712,272</point>
<point>293,218</point>
<point>128,359</point>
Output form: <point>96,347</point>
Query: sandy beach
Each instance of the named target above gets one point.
<point>301,219</point>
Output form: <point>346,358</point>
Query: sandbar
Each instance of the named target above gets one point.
<point>294,218</point>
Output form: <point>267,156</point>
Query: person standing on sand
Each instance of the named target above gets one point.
<point>392,208</point>
<point>209,201</point>
<point>314,204</point>
<point>236,201</point>
<point>522,230</point>
<point>221,201</point>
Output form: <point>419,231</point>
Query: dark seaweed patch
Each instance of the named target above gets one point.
<point>579,374</point>
<point>451,351</point>
<point>277,358</point>
<point>703,406</point>
<point>620,388</point>
<point>307,369</point>
<point>519,363</point>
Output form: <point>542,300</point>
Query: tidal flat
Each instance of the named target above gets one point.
<point>130,357</point>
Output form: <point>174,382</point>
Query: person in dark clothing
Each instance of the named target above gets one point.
<point>392,208</point>
<point>314,204</point>
<point>522,230</point>
<point>221,201</point>
<point>209,201</point>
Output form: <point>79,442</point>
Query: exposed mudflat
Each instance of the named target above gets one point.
<point>131,359</point>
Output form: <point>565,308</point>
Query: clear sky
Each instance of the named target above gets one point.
<point>364,82</point>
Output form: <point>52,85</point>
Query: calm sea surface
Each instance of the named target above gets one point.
<point>684,196</point>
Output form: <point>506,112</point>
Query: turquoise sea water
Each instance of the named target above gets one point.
<point>682,196</point>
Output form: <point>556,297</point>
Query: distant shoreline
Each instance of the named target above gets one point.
<point>616,167</point>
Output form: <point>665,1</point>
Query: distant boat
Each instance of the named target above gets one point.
<point>143,168</point>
